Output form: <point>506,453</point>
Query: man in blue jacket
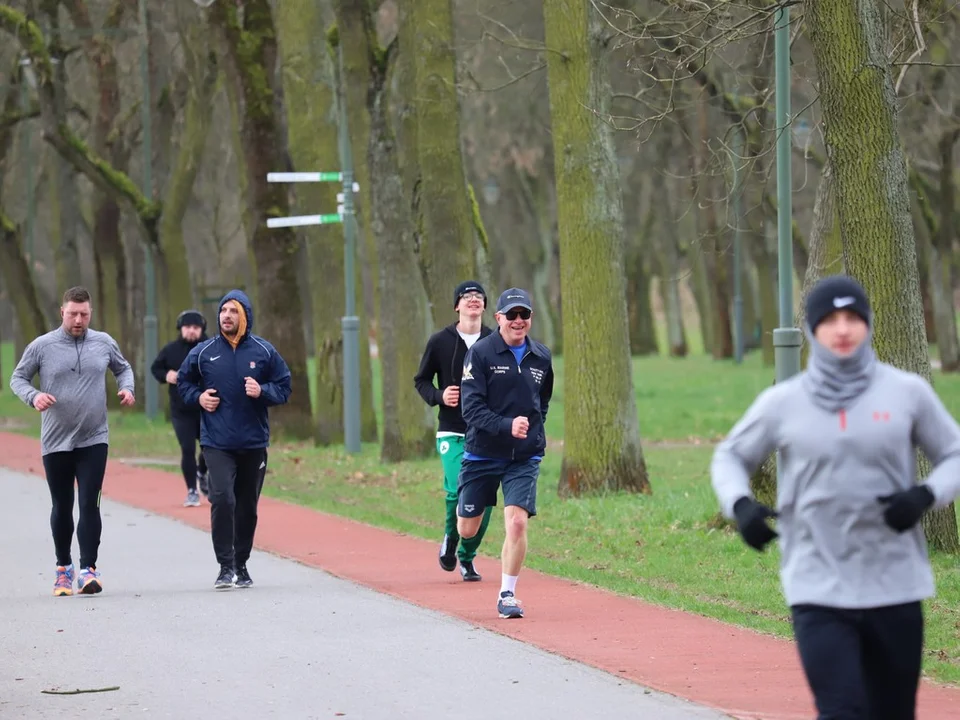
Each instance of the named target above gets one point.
<point>505,393</point>
<point>234,377</point>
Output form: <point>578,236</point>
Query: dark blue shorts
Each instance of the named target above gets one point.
<point>480,480</point>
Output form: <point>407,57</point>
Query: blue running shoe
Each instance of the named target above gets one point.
<point>508,606</point>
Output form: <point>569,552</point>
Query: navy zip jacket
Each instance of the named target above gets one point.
<point>239,422</point>
<point>495,390</point>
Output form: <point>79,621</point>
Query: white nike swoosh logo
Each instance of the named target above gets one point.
<point>840,302</point>
<point>214,358</point>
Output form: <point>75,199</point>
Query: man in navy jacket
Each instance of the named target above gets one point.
<point>505,393</point>
<point>234,377</point>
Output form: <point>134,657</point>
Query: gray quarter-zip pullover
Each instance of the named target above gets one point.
<point>836,549</point>
<point>73,370</point>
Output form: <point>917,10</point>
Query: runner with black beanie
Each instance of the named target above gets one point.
<point>854,564</point>
<point>191,330</point>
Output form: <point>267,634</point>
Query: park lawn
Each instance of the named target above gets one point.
<point>665,548</point>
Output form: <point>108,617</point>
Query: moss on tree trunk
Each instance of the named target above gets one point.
<point>310,100</point>
<point>407,421</point>
<point>446,249</point>
<point>251,44</point>
<point>601,431</point>
<point>848,38</point>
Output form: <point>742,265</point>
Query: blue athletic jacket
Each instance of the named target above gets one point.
<point>239,422</point>
<point>495,390</point>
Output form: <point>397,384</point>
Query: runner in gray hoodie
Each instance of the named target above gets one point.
<point>854,565</point>
<point>72,362</point>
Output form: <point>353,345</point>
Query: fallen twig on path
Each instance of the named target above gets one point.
<point>78,691</point>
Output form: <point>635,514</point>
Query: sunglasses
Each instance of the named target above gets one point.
<point>514,313</point>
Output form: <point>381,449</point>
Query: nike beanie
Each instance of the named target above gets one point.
<point>833,293</point>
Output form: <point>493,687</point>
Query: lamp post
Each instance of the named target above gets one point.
<point>150,339</point>
<point>786,338</point>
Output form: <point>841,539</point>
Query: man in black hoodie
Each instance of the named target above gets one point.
<point>443,360</point>
<point>191,326</point>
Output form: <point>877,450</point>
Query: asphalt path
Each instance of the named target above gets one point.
<point>301,644</point>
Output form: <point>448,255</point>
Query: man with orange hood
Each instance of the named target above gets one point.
<point>234,377</point>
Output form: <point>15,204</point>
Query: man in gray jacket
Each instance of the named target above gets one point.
<point>854,565</point>
<point>72,362</point>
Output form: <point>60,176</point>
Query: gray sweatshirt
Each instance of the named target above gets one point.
<point>836,549</point>
<point>73,370</point>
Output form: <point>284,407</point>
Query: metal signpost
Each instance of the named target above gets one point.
<point>349,323</point>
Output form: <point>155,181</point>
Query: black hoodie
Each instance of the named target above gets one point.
<point>171,357</point>
<point>443,359</point>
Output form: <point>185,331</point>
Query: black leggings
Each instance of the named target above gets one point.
<point>861,664</point>
<point>187,430</point>
<point>87,466</point>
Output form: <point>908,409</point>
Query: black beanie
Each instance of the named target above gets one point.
<point>833,293</point>
<point>191,317</point>
<point>468,286</point>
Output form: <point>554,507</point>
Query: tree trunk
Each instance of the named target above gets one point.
<point>112,292</point>
<point>941,274</point>
<point>359,43</point>
<point>357,85</point>
<point>19,281</point>
<point>64,182</point>
<point>601,430</point>
<point>202,72</point>
<point>715,265</point>
<point>664,247</point>
<point>251,43</point>
<point>848,39</point>
<point>17,277</point>
<point>937,300</point>
<point>447,250</point>
<point>757,245</point>
<point>309,88</point>
<point>407,422</point>
<point>923,266</point>
<point>925,226</point>
<point>640,318</point>
<point>751,311</point>
<point>535,194</point>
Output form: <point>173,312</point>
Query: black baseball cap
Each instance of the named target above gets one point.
<point>833,293</point>
<point>514,298</point>
<point>465,287</point>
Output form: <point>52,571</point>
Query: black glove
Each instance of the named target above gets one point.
<point>752,522</point>
<point>905,508</point>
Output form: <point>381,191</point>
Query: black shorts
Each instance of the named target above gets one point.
<point>480,480</point>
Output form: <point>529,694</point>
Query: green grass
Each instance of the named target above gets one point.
<point>664,548</point>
